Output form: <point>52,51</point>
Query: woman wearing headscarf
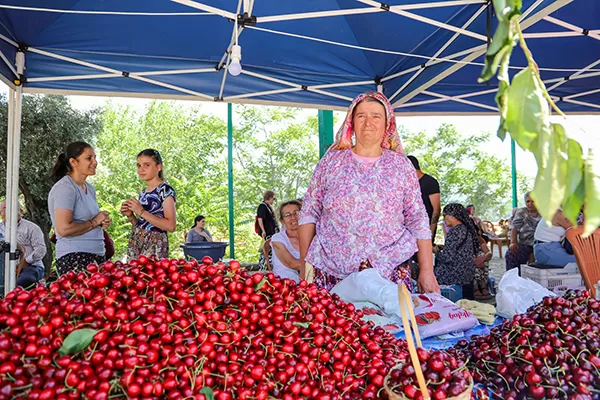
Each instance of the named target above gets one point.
<point>363,205</point>
<point>455,264</point>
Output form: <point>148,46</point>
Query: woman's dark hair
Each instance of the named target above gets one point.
<point>62,166</point>
<point>155,155</point>
<point>288,203</point>
<point>197,219</point>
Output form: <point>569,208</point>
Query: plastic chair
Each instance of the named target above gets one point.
<point>587,253</point>
<point>490,231</point>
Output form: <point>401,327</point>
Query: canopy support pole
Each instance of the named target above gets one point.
<point>9,169</point>
<point>230,179</point>
<point>325,131</point>
<point>12,173</point>
<point>513,154</point>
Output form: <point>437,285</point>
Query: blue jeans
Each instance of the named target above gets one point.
<point>30,275</point>
<point>552,253</point>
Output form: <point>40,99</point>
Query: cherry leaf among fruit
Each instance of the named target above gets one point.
<point>77,341</point>
<point>208,393</point>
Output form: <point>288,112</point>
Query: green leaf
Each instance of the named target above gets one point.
<point>77,341</point>
<point>260,284</point>
<point>208,393</point>
<point>500,49</point>
<point>574,190</point>
<point>550,152</point>
<point>592,192</point>
<point>528,112</point>
<point>304,325</point>
<point>507,9</point>
<point>502,96</point>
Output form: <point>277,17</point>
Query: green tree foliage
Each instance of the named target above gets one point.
<point>467,174</point>
<point>192,146</point>
<point>272,151</point>
<point>49,123</point>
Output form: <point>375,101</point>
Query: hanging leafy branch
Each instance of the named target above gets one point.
<point>566,177</point>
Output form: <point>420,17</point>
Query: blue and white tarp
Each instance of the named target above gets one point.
<point>426,56</point>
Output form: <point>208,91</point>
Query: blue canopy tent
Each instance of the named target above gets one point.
<point>425,56</point>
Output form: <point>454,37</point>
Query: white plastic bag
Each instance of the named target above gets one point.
<point>435,314</point>
<point>516,294</point>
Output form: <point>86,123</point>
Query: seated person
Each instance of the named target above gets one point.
<point>30,238</point>
<point>524,223</point>
<point>198,233</point>
<point>547,247</point>
<point>455,264</point>
<point>285,244</point>
<point>482,271</point>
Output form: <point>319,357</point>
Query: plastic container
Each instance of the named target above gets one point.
<point>215,250</point>
<point>597,287</point>
<point>452,292</point>
<point>492,285</point>
<point>552,278</point>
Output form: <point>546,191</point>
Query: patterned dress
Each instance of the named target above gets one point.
<point>145,238</point>
<point>369,215</point>
<point>454,265</point>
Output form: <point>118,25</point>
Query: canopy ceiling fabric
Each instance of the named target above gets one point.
<point>316,53</point>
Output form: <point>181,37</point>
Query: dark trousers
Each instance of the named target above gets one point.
<point>468,291</point>
<point>29,276</point>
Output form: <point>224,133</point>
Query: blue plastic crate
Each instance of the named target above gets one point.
<point>452,292</point>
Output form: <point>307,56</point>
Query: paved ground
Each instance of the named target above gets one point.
<point>497,268</point>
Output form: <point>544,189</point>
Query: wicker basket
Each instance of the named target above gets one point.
<point>466,395</point>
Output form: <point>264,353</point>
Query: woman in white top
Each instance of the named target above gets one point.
<point>286,248</point>
<point>547,247</point>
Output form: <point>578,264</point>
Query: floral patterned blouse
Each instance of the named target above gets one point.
<point>372,212</point>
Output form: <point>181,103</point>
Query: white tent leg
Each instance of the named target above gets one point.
<point>9,164</point>
<point>12,175</point>
<point>14,199</point>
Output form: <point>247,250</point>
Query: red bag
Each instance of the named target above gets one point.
<point>109,244</point>
<point>256,226</point>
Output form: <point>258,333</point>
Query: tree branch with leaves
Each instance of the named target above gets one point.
<point>568,176</point>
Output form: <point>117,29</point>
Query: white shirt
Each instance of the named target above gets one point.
<point>31,237</point>
<point>545,233</point>
<point>278,267</point>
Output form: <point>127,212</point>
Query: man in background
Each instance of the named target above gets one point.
<point>430,191</point>
<point>30,268</point>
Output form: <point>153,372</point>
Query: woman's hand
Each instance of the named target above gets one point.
<point>135,206</point>
<point>106,223</point>
<point>513,248</point>
<point>125,210</point>
<point>427,283</point>
<point>100,219</point>
<point>480,261</point>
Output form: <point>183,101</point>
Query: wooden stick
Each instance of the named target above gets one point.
<point>411,312</point>
<point>411,344</point>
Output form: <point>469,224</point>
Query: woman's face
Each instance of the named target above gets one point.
<point>200,224</point>
<point>147,168</point>
<point>86,163</point>
<point>289,216</point>
<point>369,123</point>
<point>451,221</point>
<point>530,204</point>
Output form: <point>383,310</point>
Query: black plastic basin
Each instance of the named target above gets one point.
<point>215,250</point>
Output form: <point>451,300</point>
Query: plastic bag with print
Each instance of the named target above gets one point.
<point>435,314</point>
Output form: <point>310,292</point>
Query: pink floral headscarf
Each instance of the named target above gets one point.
<point>390,140</point>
